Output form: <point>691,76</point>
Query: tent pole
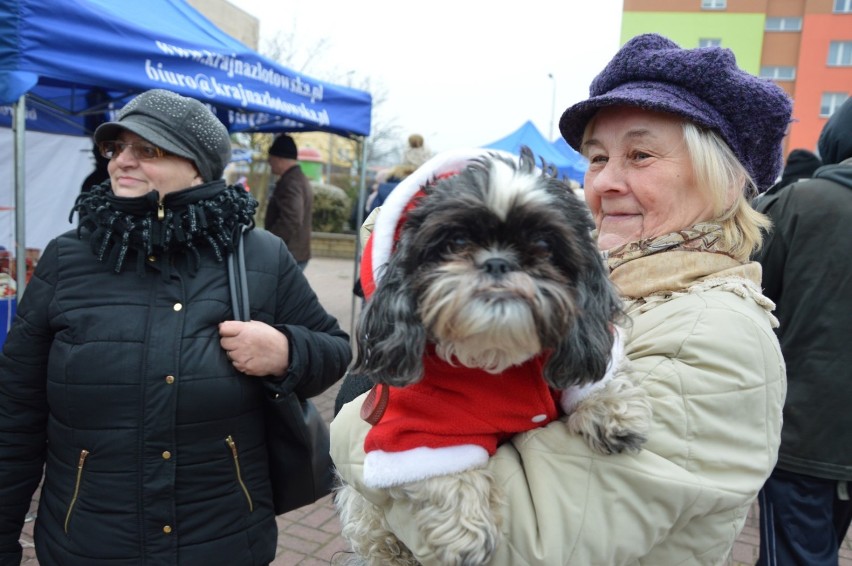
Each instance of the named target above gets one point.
<point>359,219</point>
<point>19,125</point>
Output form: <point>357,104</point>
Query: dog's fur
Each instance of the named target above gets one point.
<point>493,266</point>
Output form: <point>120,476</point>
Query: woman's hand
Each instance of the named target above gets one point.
<point>255,348</point>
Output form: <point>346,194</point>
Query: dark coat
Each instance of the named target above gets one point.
<point>807,272</point>
<point>116,382</point>
<point>289,212</point>
<point>382,193</point>
<point>801,164</point>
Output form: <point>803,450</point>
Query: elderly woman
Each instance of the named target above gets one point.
<point>124,377</point>
<point>678,142</point>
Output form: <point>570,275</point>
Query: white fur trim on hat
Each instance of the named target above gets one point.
<point>386,469</point>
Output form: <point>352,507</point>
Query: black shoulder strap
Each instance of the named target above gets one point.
<point>237,280</point>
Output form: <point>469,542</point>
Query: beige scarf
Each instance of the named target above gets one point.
<point>703,237</point>
<point>657,278</point>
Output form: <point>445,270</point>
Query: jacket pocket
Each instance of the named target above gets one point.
<point>80,464</point>
<point>229,440</point>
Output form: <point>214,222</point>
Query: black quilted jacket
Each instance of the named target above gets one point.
<point>112,379</point>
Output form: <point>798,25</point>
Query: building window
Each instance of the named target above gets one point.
<point>840,54</point>
<point>830,102</point>
<point>842,6</point>
<point>714,4</point>
<point>778,73</point>
<point>784,24</point>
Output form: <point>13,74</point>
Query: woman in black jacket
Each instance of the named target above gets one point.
<point>124,376</point>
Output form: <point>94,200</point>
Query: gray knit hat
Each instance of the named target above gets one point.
<point>703,85</point>
<point>178,124</point>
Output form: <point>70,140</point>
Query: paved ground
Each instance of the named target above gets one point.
<point>311,536</point>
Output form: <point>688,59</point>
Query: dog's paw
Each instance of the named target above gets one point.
<point>458,516</point>
<point>613,419</point>
<point>366,530</point>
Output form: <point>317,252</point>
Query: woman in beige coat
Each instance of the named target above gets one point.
<point>678,143</point>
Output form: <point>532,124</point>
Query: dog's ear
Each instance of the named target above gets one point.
<point>583,355</point>
<point>391,337</point>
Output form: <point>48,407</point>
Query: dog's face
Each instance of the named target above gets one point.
<point>494,265</point>
<point>492,261</point>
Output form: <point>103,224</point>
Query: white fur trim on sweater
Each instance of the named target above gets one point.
<point>387,469</point>
<point>573,396</point>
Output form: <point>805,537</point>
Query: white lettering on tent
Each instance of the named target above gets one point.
<point>234,67</point>
<point>8,111</point>
<point>210,87</point>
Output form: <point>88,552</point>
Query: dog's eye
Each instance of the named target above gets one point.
<point>457,242</point>
<point>541,247</point>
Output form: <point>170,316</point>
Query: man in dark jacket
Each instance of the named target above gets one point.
<point>290,208</point>
<point>805,507</point>
<point>801,164</point>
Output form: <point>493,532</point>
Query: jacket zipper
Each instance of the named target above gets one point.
<point>82,461</point>
<point>233,445</point>
<point>161,210</point>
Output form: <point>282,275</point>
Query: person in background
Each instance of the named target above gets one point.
<point>416,154</point>
<point>678,141</point>
<point>355,220</point>
<point>124,380</point>
<point>381,177</point>
<point>290,208</point>
<point>805,507</point>
<point>393,177</point>
<point>800,164</point>
<point>100,173</point>
<point>387,180</point>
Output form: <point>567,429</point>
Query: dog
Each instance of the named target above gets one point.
<point>494,297</point>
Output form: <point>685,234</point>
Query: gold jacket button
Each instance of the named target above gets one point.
<point>177,307</point>
<point>170,379</point>
<point>152,258</point>
<point>167,529</point>
<point>167,455</point>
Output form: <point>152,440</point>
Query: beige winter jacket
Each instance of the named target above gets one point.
<point>702,345</point>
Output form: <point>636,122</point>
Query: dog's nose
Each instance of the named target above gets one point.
<point>496,266</point>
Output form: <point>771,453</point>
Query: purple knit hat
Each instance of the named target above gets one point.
<point>703,85</point>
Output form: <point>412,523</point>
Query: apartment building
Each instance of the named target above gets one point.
<point>805,46</point>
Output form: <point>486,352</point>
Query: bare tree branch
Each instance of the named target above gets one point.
<point>384,143</point>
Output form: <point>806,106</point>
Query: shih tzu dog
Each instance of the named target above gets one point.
<point>491,314</point>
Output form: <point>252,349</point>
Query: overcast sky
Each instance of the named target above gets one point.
<point>462,73</point>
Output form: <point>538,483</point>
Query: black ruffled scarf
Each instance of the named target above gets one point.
<point>188,223</point>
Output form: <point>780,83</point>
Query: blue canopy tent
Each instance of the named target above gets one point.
<point>574,157</point>
<point>528,135</point>
<point>73,58</point>
<point>67,65</point>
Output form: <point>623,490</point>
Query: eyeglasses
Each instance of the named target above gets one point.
<point>141,151</point>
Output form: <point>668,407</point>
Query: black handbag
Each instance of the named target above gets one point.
<point>297,439</point>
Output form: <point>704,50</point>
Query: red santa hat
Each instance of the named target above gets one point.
<point>379,246</point>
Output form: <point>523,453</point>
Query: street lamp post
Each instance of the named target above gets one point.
<point>552,104</point>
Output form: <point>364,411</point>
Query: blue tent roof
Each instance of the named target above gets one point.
<point>580,162</point>
<point>79,58</point>
<point>571,166</point>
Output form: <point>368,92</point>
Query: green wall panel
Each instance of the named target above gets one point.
<point>742,33</point>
